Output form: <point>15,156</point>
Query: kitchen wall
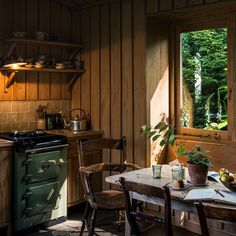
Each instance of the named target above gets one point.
<point>115,88</point>
<point>18,104</point>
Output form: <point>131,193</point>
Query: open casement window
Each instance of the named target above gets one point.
<point>203,79</point>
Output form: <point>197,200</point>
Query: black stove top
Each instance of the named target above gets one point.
<point>33,139</point>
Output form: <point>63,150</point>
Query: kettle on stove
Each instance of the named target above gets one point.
<point>77,122</point>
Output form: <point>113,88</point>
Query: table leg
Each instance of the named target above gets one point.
<point>127,227</point>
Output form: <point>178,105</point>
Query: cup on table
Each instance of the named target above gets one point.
<point>156,171</point>
<point>178,173</point>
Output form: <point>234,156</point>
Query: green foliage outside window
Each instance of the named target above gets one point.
<point>204,55</point>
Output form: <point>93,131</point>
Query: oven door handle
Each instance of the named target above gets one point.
<point>43,149</point>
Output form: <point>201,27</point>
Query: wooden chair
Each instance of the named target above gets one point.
<point>217,212</point>
<point>106,199</point>
<point>160,226</point>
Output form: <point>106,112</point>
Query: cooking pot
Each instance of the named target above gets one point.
<point>77,122</point>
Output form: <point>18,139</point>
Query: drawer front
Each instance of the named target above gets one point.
<point>42,166</point>
<point>42,198</point>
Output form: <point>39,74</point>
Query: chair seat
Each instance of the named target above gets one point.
<point>109,199</point>
<point>158,229</point>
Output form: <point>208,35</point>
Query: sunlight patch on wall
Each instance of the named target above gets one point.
<point>159,104</point>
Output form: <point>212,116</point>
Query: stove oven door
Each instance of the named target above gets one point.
<point>42,198</point>
<point>43,166</point>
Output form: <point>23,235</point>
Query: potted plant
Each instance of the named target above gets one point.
<point>197,163</point>
<point>197,159</point>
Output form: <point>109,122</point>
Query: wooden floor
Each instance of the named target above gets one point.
<point>72,226</point>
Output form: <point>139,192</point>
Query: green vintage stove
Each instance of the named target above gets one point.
<point>40,177</point>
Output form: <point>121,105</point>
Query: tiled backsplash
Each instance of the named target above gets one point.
<point>21,115</point>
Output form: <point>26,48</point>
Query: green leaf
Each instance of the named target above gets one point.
<point>172,139</point>
<point>150,134</point>
<point>222,125</point>
<point>163,142</point>
<point>165,126</point>
<point>154,138</point>
<point>180,150</point>
<point>158,126</point>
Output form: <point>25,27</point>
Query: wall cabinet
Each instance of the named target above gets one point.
<point>5,190</point>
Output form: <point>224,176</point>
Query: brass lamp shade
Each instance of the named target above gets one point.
<point>14,63</point>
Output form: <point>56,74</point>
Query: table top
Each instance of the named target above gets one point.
<point>145,176</point>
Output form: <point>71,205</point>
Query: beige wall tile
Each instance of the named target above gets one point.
<point>21,115</point>
<point>24,107</point>
<point>16,126</point>
<point>6,106</point>
<point>33,125</point>
<point>33,106</point>
<point>65,104</point>
<point>25,126</point>
<point>3,117</point>
<point>56,106</point>
<point>6,127</point>
<point>16,106</point>
<point>11,117</point>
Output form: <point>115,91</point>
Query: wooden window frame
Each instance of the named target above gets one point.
<point>228,22</point>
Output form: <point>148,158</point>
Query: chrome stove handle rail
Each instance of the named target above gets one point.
<point>43,149</point>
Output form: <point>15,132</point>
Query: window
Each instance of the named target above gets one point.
<point>203,79</point>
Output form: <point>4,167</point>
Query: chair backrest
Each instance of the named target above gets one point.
<point>132,212</point>
<point>95,145</point>
<point>217,212</point>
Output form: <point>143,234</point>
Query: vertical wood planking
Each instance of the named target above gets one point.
<point>95,68</point>
<point>56,53</point>
<point>44,26</point>
<point>105,78</point>
<point>76,38</point>
<point>116,112</point>
<point>32,23</point>
<point>67,31</point>
<point>151,6</point>
<point>19,25</point>
<point>180,4</point>
<point>165,5</point>
<point>5,32</point>
<point>195,2</point>
<point>85,79</point>
<point>105,71</point>
<point>139,80</point>
<point>127,77</point>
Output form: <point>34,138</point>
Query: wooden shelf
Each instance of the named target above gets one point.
<point>44,70</point>
<point>42,42</point>
<point>13,43</point>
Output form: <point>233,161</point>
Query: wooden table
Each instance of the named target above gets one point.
<point>177,197</point>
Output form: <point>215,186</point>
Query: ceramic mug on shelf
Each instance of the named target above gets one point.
<point>41,35</point>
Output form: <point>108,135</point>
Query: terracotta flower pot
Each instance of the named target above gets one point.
<point>197,173</point>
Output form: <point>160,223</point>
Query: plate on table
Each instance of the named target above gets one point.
<point>174,187</point>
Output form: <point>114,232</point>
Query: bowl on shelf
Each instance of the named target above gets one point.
<point>19,34</point>
<point>230,185</point>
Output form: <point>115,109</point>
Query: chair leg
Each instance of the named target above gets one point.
<point>85,219</point>
<point>92,222</point>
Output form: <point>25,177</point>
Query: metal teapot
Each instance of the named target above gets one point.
<point>77,123</point>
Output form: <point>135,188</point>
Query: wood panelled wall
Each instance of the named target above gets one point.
<point>114,88</point>
<point>31,16</point>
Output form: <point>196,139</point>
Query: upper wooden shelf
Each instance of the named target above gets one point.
<point>44,69</point>
<point>42,42</point>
